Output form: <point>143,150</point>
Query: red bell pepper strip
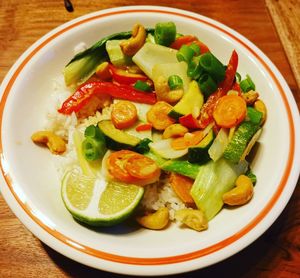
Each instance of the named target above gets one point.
<point>123,77</point>
<point>230,72</point>
<point>189,39</point>
<point>206,113</point>
<point>143,127</point>
<point>122,91</point>
<point>180,41</point>
<point>236,87</point>
<point>189,121</point>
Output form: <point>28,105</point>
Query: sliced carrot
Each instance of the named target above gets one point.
<point>124,114</point>
<point>158,115</point>
<point>230,110</point>
<point>182,186</point>
<point>143,127</point>
<point>142,167</point>
<point>188,140</point>
<point>131,167</point>
<point>116,165</point>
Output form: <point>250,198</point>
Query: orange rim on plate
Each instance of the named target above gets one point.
<point>159,260</point>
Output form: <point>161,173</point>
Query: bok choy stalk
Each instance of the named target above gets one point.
<point>84,64</point>
<point>213,180</point>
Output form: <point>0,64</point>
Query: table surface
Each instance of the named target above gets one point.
<point>275,254</point>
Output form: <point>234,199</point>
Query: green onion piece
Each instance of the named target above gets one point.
<point>165,33</point>
<point>92,149</point>
<point>178,35</point>
<point>194,70</point>
<point>207,85</point>
<point>185,53</point>
<point>195,48</point>
<point>247,84</point>
<point>251,176</point>
<point>175,82</point>
<point>94,132</point>
<point>254,115</point>
<point>238,77</point>
<point>212,66</point>
<point>90,131</point>
<point>142,86</point>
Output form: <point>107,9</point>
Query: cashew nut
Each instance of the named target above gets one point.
<point>155,221</point>
<point>261,107</point>
<point>137,40</point>
<point>102,71</point>
<point>241,194</point>
<point>175,130</point>
<point>55,143</point>
<point>134,69</point>
<point>164,93</point>
<point>192,218</point>
<point>250,97</point>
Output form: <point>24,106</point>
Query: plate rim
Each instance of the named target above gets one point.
<point>281,85</point>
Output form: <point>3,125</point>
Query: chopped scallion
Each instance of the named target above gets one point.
<point>251,176</point>
<point>185,54</point>
<point>165,33</point>
<point>195,48</point>
<point>254,115</point>
<point>91,148</point>
<point>93,145</point>
<point>212,66</point>
<point>194,70</point>
<point>207,85</point>
<point>142,86</point>
<point>175,82</point>
<point>247,84</point>
<point>238,77</point>
<point>94,132</point>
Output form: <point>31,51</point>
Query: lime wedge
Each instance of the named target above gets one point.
<point>97,202</point>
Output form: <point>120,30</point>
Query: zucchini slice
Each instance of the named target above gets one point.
<point>199,154</point>
<point>192,99</point>
<point>236,148</point>
<point>117,139</point>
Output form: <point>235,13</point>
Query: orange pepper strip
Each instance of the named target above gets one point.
<point>188,140</point>
<point>182,186</point>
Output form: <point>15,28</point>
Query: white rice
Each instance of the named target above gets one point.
<point>156,195</point>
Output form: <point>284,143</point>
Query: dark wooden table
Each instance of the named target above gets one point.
<point>274,254</point>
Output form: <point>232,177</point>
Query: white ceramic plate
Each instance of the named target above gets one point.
<point>31,187</point>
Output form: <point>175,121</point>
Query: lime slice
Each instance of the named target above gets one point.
<point>97,202</point>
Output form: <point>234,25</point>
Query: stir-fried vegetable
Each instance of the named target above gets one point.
<point>165,33</point>
<point>230,111</point>
<point>174,108</point>
<point>122,91</point>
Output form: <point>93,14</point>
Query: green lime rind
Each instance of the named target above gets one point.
<point>88,211</point>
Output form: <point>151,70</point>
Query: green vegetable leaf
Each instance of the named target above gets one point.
<point>84,64</point>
